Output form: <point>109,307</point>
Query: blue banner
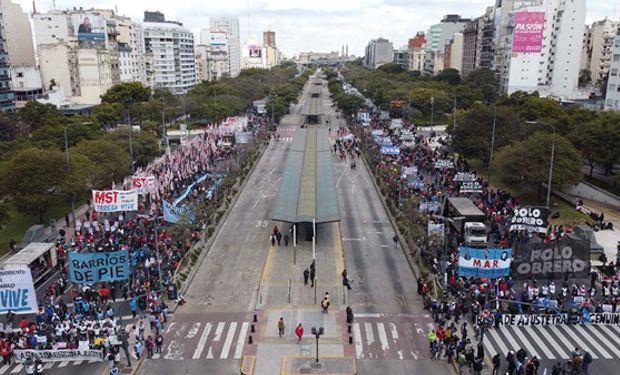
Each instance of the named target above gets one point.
<point>390,150</point>
<point>91,268</point>
<point>175,215</point>
<point>488,263</point>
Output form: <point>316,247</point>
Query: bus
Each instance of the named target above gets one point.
<point>40,257</point>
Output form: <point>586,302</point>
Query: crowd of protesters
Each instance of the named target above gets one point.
<point>467,298</point>
<point>91,317</point>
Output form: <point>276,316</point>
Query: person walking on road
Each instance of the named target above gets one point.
<point>306,276</point>
<point>279,237</point>
<point>149,344</point>
<point>325,305</point>
<point>587,359</point>
<point>286,239</point>
<point>281,327</point>
<point>273,240</point>
<point>345,279</point>
<point>497,361</point>
<point>312,273</point>
<point>350,317</point>
<point>159,342</point>
<point>299,332</point>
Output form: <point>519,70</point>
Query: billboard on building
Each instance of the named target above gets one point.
<point>89,27</point>
<point>528,34</point>
<point>255,51</point>
<point>217,39</point>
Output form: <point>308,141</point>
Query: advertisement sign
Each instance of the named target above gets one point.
<point>255,51</point>
<point>552,261</point>
<point>90,268</point>
<point>444,163</point>
<point>528,34</point>
<point>390,150</point>
<point>173,214</point>
<point>17,292</point>
<point>531,219</point>
<point>89,28</point>
<point>143,185</point>
<point>471,187</point>
<point>490,263</point>
<point>59,355</point>
<point>557,319</point>
<point>115,200</point>
<point>217,39</point>
<point>465,177</point>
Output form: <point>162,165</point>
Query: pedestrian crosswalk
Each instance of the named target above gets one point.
<point>205,340</point>
<point>15,368</point>
<point>555,341</point>
<point>390,336</point>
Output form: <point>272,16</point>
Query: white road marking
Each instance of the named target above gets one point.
<point>4,368</point>
<point>530,348</point>
<point>542,344</point>
<point>63,364</point>
<point>193,331</point>
<point>498,340</point>
<point>156,355</point>
<point>210,353</point>
<point>17,368</point>
<point>48,366</point>
<point>393,331</point>
<point>370,336</point>
<point>582,345</point>
<point>368,315</point>
<point>218,331</point>
<point>202,341</point>
<point>241,340</point>
<point>357,333</point>
<point>170,326</point>
<point>77,363</point>
<point>382,336</point>
<point>593,342</point>
<point>232,327</point>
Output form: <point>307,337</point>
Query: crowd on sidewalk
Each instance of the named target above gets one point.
<point>91,319</point>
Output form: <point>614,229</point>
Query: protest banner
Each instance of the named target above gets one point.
<point>173,214</point>
<point>242,138</point>
<point>465,177</point>
<point>531,219</point>
<point>558,319</point>
<point>59,355</point>
<point>444,163</point>
<point>390,150</point>
<point>490,263</point>
<point>552,261</point>
<point>90,268</point>
<point>115,200</point>
<point>435,229</point>
<point>470,187</point>
<point>143,185</point>
<point>17,293</point>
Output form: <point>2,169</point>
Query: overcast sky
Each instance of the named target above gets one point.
<point>312,25</point>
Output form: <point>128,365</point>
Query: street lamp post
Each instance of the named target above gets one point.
<point>551,159</point>
<point>432,111</point>
<point>493,132</point>
<point>317,332</point>
<point>130,140</point>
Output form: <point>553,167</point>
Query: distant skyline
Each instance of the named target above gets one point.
<point>317,25</point>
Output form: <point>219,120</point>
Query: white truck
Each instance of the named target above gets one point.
<point>466,221</point>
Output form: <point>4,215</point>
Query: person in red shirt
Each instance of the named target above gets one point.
<point>104,293</point>
<point>299,332</point>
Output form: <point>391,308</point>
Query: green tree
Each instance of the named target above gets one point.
<point>474,128</point>
<point>109,114</point>
<point>277,106</point>
<point>485,81</point>
<point>34,115</point>
<point>35,179</point>
<point>54,134</point>
<point>112,162</point>
<point>145,144</point>
<point>127,94</point>
<point>527,162</point>
<point>451,76</point>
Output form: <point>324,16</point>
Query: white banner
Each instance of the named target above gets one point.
<point>471,187</point>
<point>115,200</point>
<point>143,185</point>
<point>437,229</point>
<point>558,319</point>
<point>464,177</point>
<point>444,163</point>
<point>17,293</point>
<point>59,355</point>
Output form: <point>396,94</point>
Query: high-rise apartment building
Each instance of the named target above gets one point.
<point>131,43</point>
<point>598,43</point>
<point>416,47</point>
<point>230,26</point>
<point>545,48</point>
<point>453,52</point>
<point>378,52</point>
<point>7,103</point>
<point>173,62</point>
<point>612,95</point>
<point>269,39</point>
<point>436,39</point>
<point>470,46</point>
<point>78,52</point>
